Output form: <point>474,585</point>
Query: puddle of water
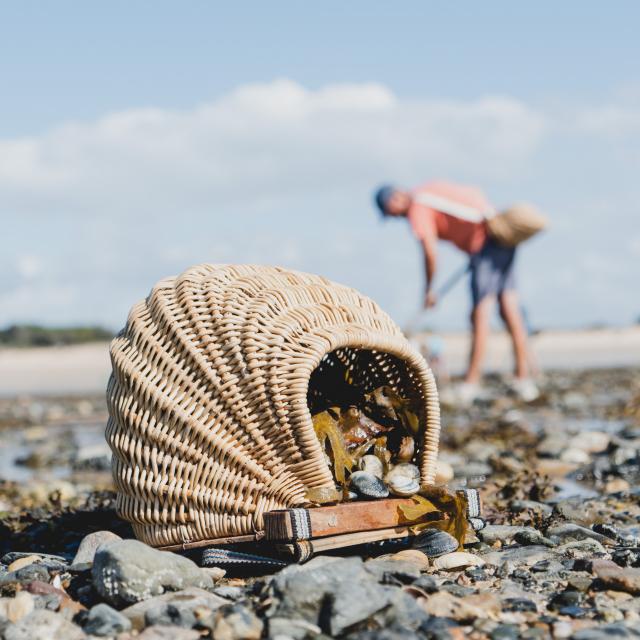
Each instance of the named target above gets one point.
<point>14,445</point>
<point>567,488</point>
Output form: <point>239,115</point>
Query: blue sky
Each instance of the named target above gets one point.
<point>139,138</point>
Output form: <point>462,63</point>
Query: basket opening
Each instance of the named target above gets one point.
<point>345,375</point>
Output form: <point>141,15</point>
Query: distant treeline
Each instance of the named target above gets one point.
<point>27,335</point>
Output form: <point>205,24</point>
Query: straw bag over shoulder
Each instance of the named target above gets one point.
<point>509,227</point>
<point>515,225</point>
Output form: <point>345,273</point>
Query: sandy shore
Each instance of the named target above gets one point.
<point>86,368</point>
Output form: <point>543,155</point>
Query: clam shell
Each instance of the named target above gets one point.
<point>372,465</point>
<point>401,485</point>
<point>366,485</point>
<point>407,470</point>
<point>434,543</point>
<point>458,560</point>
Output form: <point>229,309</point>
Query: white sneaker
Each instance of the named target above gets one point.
<point>462,394</point>
<point>526,389</point>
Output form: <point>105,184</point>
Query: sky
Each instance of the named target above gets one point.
<point>137,139</point>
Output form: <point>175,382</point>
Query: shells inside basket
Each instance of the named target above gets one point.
<point>369,438</point>
<point>215,378</point>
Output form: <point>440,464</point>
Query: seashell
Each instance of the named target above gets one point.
<point>401,485</point>
<point>407,470</point>
<point>435,543</point>
<point>458,560</point>
<point>372,465</point>
<point>406,450</point>
<point>366,485</point>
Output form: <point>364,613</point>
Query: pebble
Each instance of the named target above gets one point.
<point>25,575</point>
<point>565,599</point>
<point>427,584</point>
<point>51,558</point>
<point>591,441</point>
<point>467,609</point>
<point>457,560</point>
<point>158,632</point>
<point>504,533</point>
<point>414,556</point>
<point>42,624</point>
<point>292,629</point>
<point>166,613</point>
<point>23,562</point>
<point>333,593</point>
<point>616,485</point>
<point>191,599</point>
<point>517,556</point>
<point>518,506</point>
<point>392,571</point>
<point>571,531</point>
<point>89,545</point>
<point>20,606</point>
<point>575,456</point>
<point>444,472</point>
<point>555,468</point>
<point>237,622</point>
<point>618,578</point>
<point>128,571</point>
<point>102,620</point>
<point>519,605</point>
<point>532,537</point>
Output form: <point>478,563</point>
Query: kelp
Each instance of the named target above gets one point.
<point>387,403</point>
<point>322,495</point>
<point>438,500</point>
<point>382,423</point>
<point>327,428</point>
<point>357,428</point>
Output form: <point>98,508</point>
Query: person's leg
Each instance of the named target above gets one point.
<point>480,320</point>
<point>514,322</point>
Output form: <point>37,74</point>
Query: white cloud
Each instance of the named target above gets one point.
<point>29,266</point>
<point>610,120</point>
<point>277,173</point>
<point>258,142</point>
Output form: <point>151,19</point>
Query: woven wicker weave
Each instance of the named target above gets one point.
<point>208,400</point>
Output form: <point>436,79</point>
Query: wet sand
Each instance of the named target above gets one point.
<point>85,368</point>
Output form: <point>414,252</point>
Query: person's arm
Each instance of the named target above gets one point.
<point>429,248</point>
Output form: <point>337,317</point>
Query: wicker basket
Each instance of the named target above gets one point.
<point>209,420</point>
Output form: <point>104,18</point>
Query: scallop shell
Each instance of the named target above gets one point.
<point>435,543</point>
<point>366,485</point>
<point>214,377</point>
<point>372,465</point>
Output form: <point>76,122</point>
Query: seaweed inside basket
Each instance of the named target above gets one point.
<point>376,434</point>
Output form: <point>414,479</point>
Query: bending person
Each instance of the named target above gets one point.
<point>457,214</point>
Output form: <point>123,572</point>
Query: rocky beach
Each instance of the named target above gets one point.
<point>559,557</point>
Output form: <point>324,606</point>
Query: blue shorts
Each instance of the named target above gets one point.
<point>492,271</point>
